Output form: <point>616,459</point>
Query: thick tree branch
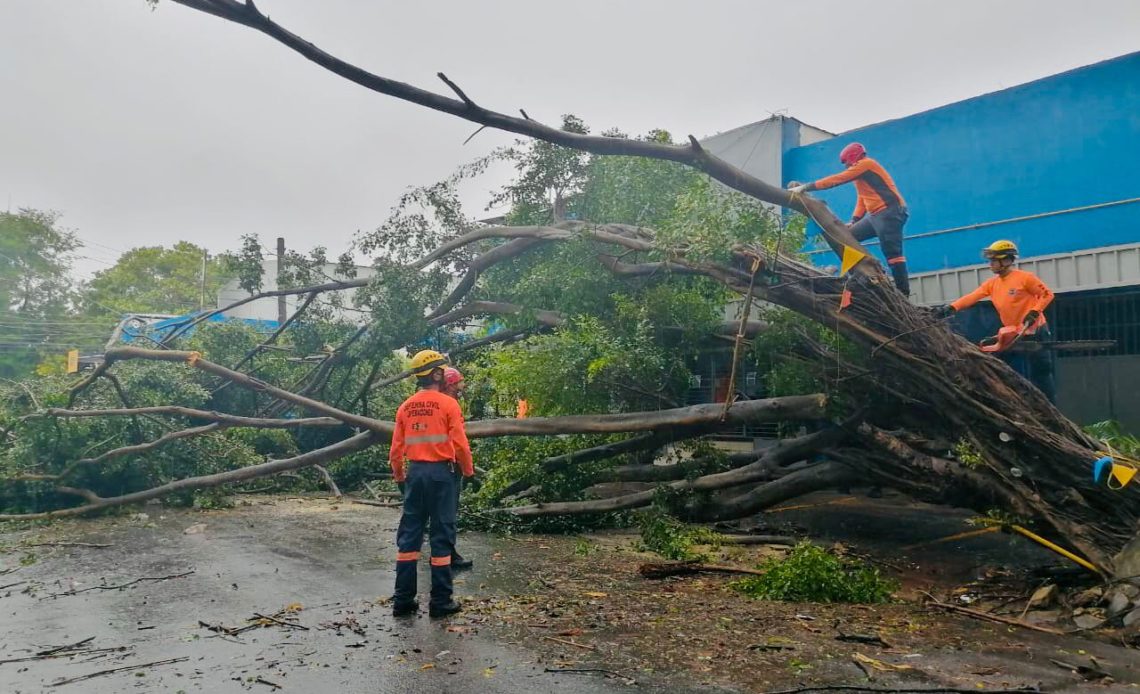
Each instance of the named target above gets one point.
<point>196,361</point>
<point>692,154</point>
<point>208,415</point>
<point>322,455</point>
<point>785,451</point>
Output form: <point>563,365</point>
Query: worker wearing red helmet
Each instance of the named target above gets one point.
<point>880,209</point>
<point>453,386</point>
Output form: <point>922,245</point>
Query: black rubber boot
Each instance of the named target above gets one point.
<point>459,563</point>
<point>444,610</point>
<point>404,609</point>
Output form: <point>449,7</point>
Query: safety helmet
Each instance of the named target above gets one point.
<point>427,360</point>
<point>852,153</point>
<point>451,376</point>
<point>1000,249</point>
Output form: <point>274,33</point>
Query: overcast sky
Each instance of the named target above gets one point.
<point>147,127</point>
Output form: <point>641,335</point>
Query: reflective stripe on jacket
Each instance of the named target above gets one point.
<point>429,428</point>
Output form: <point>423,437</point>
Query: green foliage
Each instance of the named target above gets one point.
<point>787,358</point>
<point>508,459</point>
<point>968,454</point>
<point>1110,432</point>
<point>709,220</point>
<point>547,176</point>
<point>633,190</point>
<point>245,264</point>
<point>811,574</point>
<point>154,279</point>
<point>588,366</point>
<point>36,291</point>
<point>665,535</point>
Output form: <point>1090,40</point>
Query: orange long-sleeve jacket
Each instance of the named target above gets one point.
<point>1014,296</point>
<point>874,186</point>
<point>429,428</point>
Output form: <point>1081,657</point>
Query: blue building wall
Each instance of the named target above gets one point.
<point>1064,141</point>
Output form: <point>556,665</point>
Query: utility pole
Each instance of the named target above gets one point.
<point>281,310</point>
<point>202,284</point>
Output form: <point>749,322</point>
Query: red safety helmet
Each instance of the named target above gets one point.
<point>852,153</point>
<point>451,376</point>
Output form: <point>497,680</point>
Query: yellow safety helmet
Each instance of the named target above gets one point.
<point>1000,249</point>
<point>427,360</point>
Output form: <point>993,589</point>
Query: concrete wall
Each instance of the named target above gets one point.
<point>1093,389</point>
<point>1065,141</point>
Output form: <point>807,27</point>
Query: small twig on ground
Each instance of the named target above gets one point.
<point>868,672</point>
<point>757,540</point>
<point>262,680</point>
<point>258,615</point>
<point>13,585</point>
<point>996,618</point>
<point>570,643</point>
<point>1085,671</point>
<point>665,570</point>
<point>122,585</point>
<point>873,639</point>
<point>65,544</point>
<point>369,502</point>
<point>67,647</point>
<point>898,690</point>
<point>69,654</point>
<point>93,675</point>
<point>587,670</point>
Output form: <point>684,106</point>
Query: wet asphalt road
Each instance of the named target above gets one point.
<point>257,559</point>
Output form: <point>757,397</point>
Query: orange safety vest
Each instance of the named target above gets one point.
<point>1014,296</point>
<point>429,428</point>
<point>874,186</point>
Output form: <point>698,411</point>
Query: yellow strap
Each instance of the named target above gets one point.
<point>1056,548</point>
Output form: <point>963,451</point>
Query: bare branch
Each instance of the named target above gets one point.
<point>691,154</point>
<point>242,380</point>
<point>458,92</point>
<point>337,450</point>
<point>191,413</point>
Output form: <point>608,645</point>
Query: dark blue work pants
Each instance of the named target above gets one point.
<point>1039,366</point>
<point>429,500</point>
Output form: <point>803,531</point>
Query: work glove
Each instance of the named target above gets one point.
<point>988,341</point>
<point>1030,319</point>
<point>799,188</point>
<point>403,487</point>
<point>942,312</point>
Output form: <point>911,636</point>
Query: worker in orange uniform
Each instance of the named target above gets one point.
<point>429,435</point>
<point>1020,298</point>
<point>453,386</point>
<point>880,210</point>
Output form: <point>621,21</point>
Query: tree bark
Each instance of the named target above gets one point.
<point>337,450</point>
<point>784,452</point>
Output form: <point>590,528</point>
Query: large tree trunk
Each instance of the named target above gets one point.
<point>1034,460</point>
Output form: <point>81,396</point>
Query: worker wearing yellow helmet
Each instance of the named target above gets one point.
<point>1020,298</point>
<point>429,435</point>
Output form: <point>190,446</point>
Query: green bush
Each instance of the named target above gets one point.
<point>672,539</point>
<point>811,574</point>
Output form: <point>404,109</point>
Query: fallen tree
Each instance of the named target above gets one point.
<point>913,374</point>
